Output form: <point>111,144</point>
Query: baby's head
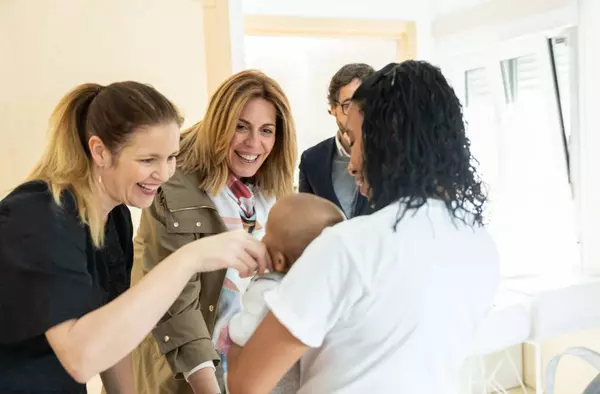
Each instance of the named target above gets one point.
<point>294,222</point>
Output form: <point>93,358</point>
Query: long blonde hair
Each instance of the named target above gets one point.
<point>205,146</point>
<point>112,113</point>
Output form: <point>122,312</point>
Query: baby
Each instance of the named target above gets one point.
<point>293,223</point>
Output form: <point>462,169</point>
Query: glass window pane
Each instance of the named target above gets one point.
<point>532,189</point>
<point>477,87</point>
<point>480,119</point>
<point>521,77</point>
<point>562,61</point>
<point>528,77</point>
<point>509,77</point>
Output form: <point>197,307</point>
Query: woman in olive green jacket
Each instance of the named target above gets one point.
<point>232,167</point>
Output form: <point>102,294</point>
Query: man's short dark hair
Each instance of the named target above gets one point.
<point>344,76</point>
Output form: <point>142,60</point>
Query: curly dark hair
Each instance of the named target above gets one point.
<point>344,76</point>
<point>414,142</point>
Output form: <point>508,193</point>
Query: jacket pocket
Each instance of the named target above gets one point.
<point>197,220</point>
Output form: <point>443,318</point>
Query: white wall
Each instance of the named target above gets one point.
<point>236,35</point>
<point>589,136</point>
<point>373,9</point>
<point>464,29</point>
<point>441,7</point>
<point>47,47</point>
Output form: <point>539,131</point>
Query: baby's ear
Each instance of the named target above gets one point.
<point>279,262</point>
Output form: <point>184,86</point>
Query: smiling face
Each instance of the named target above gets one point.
<point>147,160</point>
<point>354,132</point>
<point>253,139</point>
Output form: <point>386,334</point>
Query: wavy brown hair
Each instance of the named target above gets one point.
<point>205,146</point>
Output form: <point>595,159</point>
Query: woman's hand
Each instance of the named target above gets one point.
<point>233,249</point>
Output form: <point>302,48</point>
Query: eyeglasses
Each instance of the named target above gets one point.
<point>344,106</point>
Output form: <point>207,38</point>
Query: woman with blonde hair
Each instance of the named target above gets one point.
<point>66,248</point>
<point>231,168</point>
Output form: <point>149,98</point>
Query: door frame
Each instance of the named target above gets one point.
<point>403,32</point>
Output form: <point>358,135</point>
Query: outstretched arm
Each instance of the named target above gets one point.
<point>98,340</point>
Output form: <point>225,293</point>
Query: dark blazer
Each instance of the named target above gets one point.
<point>316,176</point>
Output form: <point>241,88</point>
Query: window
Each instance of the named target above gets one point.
<point>521,78</point>
<point>516,116</point>
<point>560,52</point>
<point>477,89</point>
<point>480,126</point>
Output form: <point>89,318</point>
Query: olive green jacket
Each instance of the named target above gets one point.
<point>180,213</point>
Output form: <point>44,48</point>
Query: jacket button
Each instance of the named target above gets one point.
<point>211,308</point>
<point>166,339</point>
<point>176,224</point>
<point>198,224</point>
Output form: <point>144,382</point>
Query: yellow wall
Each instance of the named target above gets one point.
<point>218,46</point>
<point>49,46</point>
<point>573,374</point>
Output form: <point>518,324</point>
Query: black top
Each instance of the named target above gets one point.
<point>51,272</point>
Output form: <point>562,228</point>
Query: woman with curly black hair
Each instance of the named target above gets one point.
<point>413,135</point>
<point>388,302</point>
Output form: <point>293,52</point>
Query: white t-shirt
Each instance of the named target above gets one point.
<point>388,311</point>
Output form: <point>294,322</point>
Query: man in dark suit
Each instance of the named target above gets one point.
<point>324,167</point>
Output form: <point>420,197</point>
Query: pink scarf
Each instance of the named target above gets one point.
<point>243,196</point>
